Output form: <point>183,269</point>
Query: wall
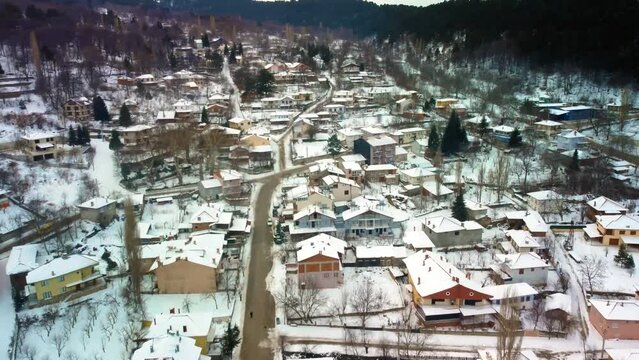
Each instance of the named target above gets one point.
<point>465,237</point>
<point>55,286</point>
<point>533,276</point>
<point>183,277</point>
<point>613,329</point>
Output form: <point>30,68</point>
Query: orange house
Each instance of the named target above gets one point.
<point>615,319</point>
<point>319,262</point>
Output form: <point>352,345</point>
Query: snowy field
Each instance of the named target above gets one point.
<point>307,149</point>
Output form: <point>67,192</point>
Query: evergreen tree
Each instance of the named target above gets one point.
<point>125,116</point>
<point>79,135</point>
<point>240,49</point>
<point>1,70</point>
<point>172,60</point>
<point>574,162</point>
<point>100,111</point>
<point>515,138</point>
<point>433,139</point>
<point>115,143</point>
<point>226,50</point>
<point>264,83</point>
<point>623,258</point>
<point>86,135</point>
<point>483,127</point>
<point>230,340</point>
<point>454,135</point>
<point>232,58</point>
<point>205,115</point>
<point>73,140</point>
<point>427,105</point>
<point>278,235</point>
<point>205,40</point>
<point>334,145</point>
<point>460,212</point>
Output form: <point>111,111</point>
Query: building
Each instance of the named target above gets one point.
<point>603,206</point>
<point>136,135</point>
<point>518,295</point>
<point>570,140</point>
<point>416,176</point>
<point>522,241</point>
<point>319,263</point>
<point>313,197</point>
<point>571,113</point>
<point>448,231</point>
<point>615,319</point>
<point>203,218</point>
<point>61,277</point>
<point>366,221</point>
<point>348,136</point>
<point>341,188</point>
<point>548,127</point>
<point>442,104</point>
<point>172,347</point>
<point>376,150</point>
<point>312,220</point>
<point>254,140</point>
<point>442,294</point>
<point>22,260</point>
<point>197,326</point>
<point>189,267</point>
<point>493,354</point>
<point>545,201</point>
<point>525,267</point>
<point>417,240</point>
<point>352,170</point>
<point>183,109</point>
<point>260,156</point>
<point>615,230</point>
<point>78,109</point>
<point>382,255</point>
<point>435,190</point>
<point>384,173</point>
<point>99,210</point>
<point>231,182</point>
<point>240,124</point>
<point>210,189</point>
<point>41,146</point>
<point>502,133</point>
<point>622,354</point>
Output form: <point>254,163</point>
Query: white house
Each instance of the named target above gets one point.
<point>570,140</point>
<point>545,201</point>
<point>525,267</point>
<point>519,295</point>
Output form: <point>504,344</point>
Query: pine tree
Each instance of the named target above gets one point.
<point>515,138</point>
<point>278,236</point>
<point>334,145</point>
<point>460,212</point>
<point>454,135</point>
<point>205,116</point>
<point>172,60</point>
<point>630,262</point>
<point>483,127</point>
<point>79,135</point>
<point>205,40</point>
<point>226,50</point>
<point>86,135</point>
<point>232,58</point>
<point>125,116</point>
<point>433,139</point>
<point>623,258</point>
<point>73,140</point>
<point>115,143</point>
<point>100,111</point>
<point>427,105</point>
<point>1,70</point>
<point>574,162</point>
<point>240,49</point>
<point>230,340</point>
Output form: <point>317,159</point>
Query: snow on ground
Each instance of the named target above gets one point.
<point>105,171</point>
<point>7,316</point>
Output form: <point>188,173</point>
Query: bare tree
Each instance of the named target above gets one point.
<point>626,104</point>
<point>366,298</point>
<point>410,342</point>
<point>563,281</point>
<point>499,175</point>
<point>48,320</point>
<point>536,311</point>
<point>509,334</point>
<point>341,304</point>
<point>28,352</point>
<point>59,341</point>
<point>593,271</point>
<point>481,175</point>
<point>133,252</point>
<point>303,302</point>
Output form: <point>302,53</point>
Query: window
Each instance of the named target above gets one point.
<point>456,232</point>
<point>533,269</point>
<point>46,295</point>
<point>633,232</point>
<point>61,278</point>
<point>345,192</point>
<point>326,275</point>
<point>622,232</point>
<point>614,325</point>
<point>335,274</point>
<point>44,283</point>
<point>64,289</point>
<point>521,271</point>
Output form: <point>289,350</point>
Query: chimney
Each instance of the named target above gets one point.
<point>429,269</point>
<point>184,328</point>
<point>177,348</point>
<point>450,270</point>
<point>468,276</point>
<point>91,203</point>
<point>170,327</point>
<point>154,323</point>
<point>419,280</point>
<point>218,250</point>
<point>151,348</point>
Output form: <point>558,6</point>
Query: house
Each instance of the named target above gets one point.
<point>323,168</point>
<point>303,129</point>
<point>442,294</point>
<point>373,131</point>
<point>335,109</point>
<point>616,229</point>
<point>348,136</point>
<point>350,67</point>
<point>367,221</point>
<point>603,206</point>
<point>319,264</point>
<point>548,127</point>
<point>41,146</point>
<point>260,156</point>
<point>403,105</point>
<point>525,267</point>
<point>203,218</point>
<point>442,104</point>
<point>570,140</point>
<point>376,150</point>
<point>416,176</point>
<point>356,158</point>
<point>169,347</point>
<point>98,210</point>
<point>210,189</point>
<point>502,133</point>
<point>476,210</point>
<point>615,319</point>
<point>382,255</point>
<point>528,220</point>
<point>22,260</point>
<point>218,98</point>
<point>522,241</point>
<point>518,295</point>
<point>341,188</point>
<point>197,326</point>
<point>79,109</point>
<point>407,136</point>
<point>239,154</point>
<point>146,79</point>
<point>312,220</point>
<point>183,110</point>
<point>570,113</point>
<point>189,267</point>
<point>476,121</point>
<point>384,173</point>
<point>419,146</point>
<point>558,306</point>
<point>61,277</point>
<point>165,117</point>
<point>217,110</point>
<point>136,135</point>
<point>352,170</point>
<point>417,240</point>
<point>447,231</point>
<point>231,182</point>
<point>435,190</point>
<point>545,201</point>
<point>314,198</point>
<point>240,124</point>
<point>254,140</point>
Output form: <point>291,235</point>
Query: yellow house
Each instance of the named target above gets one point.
<point>445,103</point>
<point>240,124</point>
<point>61,277</point>
<point>197,326</point>
<point>617,229</point>
<point>255,140</point>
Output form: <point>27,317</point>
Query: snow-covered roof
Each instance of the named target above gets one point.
<point>356,211</point>
<point>549,123</point>
<point>211,183</point>
<point>627,310</point>
<point>169,347</point>
<point>381,167</point>
<point>166,114</point>
<point>544,195</point>
<point>619,221</point>
<point>261,149</point>
<point>329,180</point>
<point>36,135</point>
<point>22,259</point>
<point>477,119</point>
<point>205,249</point>
<point>381,140</point>
<point>522,238</point>
<point>418,239</point>
<point>381,251</point>
<point>323,244</point>
<point>558,301</point>
<point>503,129</point>
<point>443,224</point>
<point>351,166</point>
<point>96,203</point>
<point>623,354</point>
<point>417,172</point>
<point>573,134</point>
<point>576,107</point>
<point>534,222</point>
<point>237,120</point>
<point>182,102</point>
<point>606,205</point>
<point>60,266</point>
<point>136,128</point>
<point>229,175</point>
<point>526,260</point>
<point>431,187</point>
<point>205,214</point>
<point>509,291</point>
<point>431,274</point>
<point>185,324</point>
<point>350,132</point>
<point>313,209</point>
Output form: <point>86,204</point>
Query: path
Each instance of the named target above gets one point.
<point>235,96</point>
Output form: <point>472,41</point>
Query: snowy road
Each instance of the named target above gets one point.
<point>7,315</point>
<point>235,96</point>
<point>105,171</point>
